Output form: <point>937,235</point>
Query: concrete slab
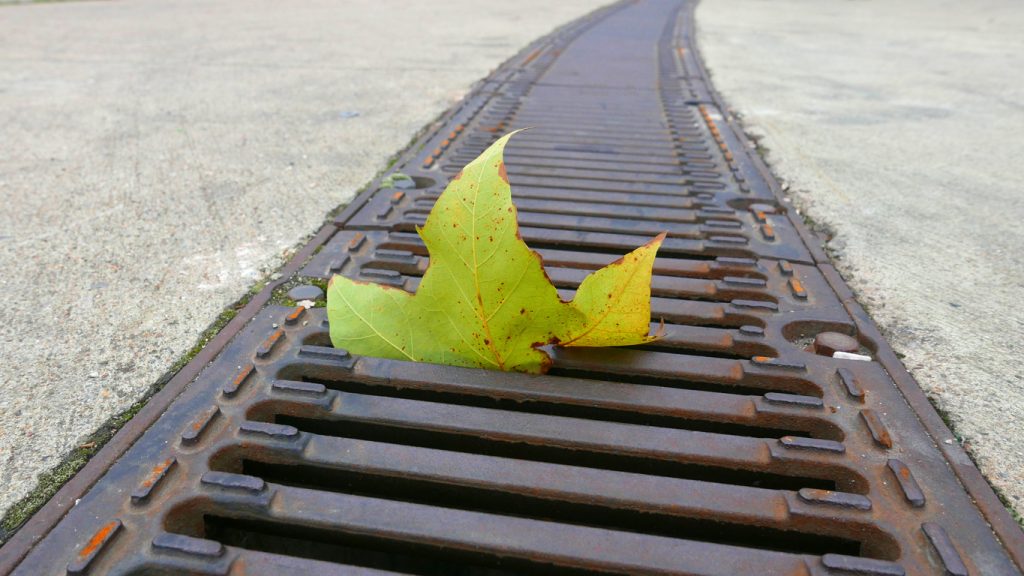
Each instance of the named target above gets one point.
<point>896,126</point>
<point>156,158</point>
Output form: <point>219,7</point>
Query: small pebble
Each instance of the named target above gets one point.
<point>305,292</point>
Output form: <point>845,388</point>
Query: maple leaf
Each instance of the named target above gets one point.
<point>485,300</point>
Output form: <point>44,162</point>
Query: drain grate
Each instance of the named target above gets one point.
<point>727,447</point>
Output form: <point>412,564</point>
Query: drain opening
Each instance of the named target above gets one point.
<point>561,511</point>
<point>568,410</point>
<point>405,238</point>
<point>745,351</point>
<point>574,457</point>
<point>332,377</point>
<point>366,552</point>
<point>763,386</point>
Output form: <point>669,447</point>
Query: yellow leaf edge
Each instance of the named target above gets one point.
<point>648,250</point>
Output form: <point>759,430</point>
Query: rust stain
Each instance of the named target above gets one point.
<point>97,540</point>
<point>269,343</point>
<point>244,373</point>
<point>884,438</point>
<point>533,56</point>
<point>157,472</point>
<point>295,314</point>
<point>502,172</point>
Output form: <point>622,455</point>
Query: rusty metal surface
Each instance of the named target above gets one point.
<point>734,445</point>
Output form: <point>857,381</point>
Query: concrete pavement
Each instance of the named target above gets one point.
<point>896,126</point>
<point>156,158</point>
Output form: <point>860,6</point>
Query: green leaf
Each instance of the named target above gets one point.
<point>485,300</point>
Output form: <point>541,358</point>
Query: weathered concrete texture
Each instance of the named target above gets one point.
<point>898,125</point>
<point>157,157</point>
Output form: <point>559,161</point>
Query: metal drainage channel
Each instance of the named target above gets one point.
<point>734,445</point>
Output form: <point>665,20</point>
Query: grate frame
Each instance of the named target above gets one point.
<point>729,432</point>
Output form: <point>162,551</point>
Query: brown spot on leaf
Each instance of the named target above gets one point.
<point>457,176</point>
<point>502,172</point>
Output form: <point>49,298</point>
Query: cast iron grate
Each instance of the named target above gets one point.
<point>728,447</point>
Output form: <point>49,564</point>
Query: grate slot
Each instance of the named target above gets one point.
<point>629,186</point>
<point>648,401</point>
<point>662,368</point>
<point>254,563</point>
<point>481,538</point>
<point>733,470</point>
<point>590,223</point>
<point>606,241</point>
<point>531,210</point>
<point>661,288</point>
<point>557,157</point>
<point>638,199</point>
<point>579,410</point>
<point>592,508</point>
<point>334,549</point>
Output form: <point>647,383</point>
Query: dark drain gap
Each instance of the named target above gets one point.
<point>363,551</point>
<point>567,285</point>
<point>554,454</point>
<point>558,409</point>
<point>405,239</point>
<point>694,349</point>
<point>785,386</point>
<point>633,199</point>
<point>524,506</point>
